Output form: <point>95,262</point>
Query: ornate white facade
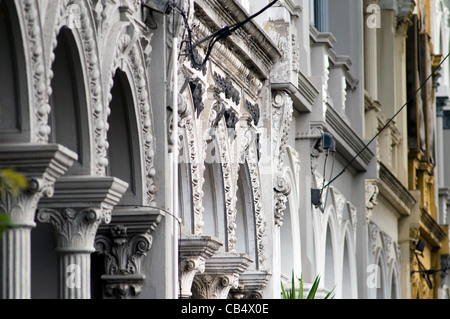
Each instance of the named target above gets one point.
<point>89,120</point>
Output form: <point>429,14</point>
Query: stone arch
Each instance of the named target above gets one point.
<point>218,131</point>
<point>251,158</point>
<point>37,72</point>
<point>394,280</point>
<point>380,261</point>
<point>193,156</point>
<point>14,92</point>
<point>290,230</point>
<point>128,56</point>
<point>330,235</point>
<point>348,278</point>
<point>84,34</point>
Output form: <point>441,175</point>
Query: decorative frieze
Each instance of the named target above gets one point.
<point>226,86</point>
<point>197,95</point>
<point>253,110</point>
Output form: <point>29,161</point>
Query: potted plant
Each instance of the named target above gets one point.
<point>291,293</point>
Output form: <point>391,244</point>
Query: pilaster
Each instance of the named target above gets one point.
<point>79,205</point>
<point>125,243</point>
<point>42,165</point>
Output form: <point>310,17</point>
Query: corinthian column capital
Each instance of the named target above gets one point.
<point>125,242</point>
<point>41,165</point>
<point>79,205</point>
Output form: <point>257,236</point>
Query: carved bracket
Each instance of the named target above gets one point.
<point>282,190</point>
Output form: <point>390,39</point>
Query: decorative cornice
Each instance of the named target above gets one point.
<point>431,229</point>
<point>303,95</point>
<point>250,38</point>
<point>394,190</point>
<point>336,60</point>
<point>348,143</point>
<point>318,37</point>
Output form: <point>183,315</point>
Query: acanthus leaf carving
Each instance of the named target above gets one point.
<point>123,254</point>
<point>74,229</point>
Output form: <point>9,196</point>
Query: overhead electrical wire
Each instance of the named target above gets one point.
<point>214,37</point>
<point>228,30</point>
<point>387,123</point>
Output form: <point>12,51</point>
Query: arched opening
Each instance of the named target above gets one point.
<point>286,244</point>
<point>214,215</point>
<point>329,280</point>
<point>346,273</point>
<point>185,200</point>
<point>68,117</point>
<point>14,113</point>
<point>394,286</point>
<point>124,152</point>
<point>381,287</point>
<point>245,217</point>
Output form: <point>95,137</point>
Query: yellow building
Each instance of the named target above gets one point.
<point>428,240</point>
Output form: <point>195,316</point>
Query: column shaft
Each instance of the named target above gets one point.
<point>74,272</point>
<point>16,272</point>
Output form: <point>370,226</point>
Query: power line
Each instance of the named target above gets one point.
<point>216,36</point>
<point>387,123</point>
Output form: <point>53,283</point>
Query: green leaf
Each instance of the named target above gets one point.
<point>315,285</point>
<point>328,296</point>
<point>300,292</point>
<point>293,286</point>
<point>283,292</point>
<point>291,294</point>
<point>10,179</point>
<point>5,223</point>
